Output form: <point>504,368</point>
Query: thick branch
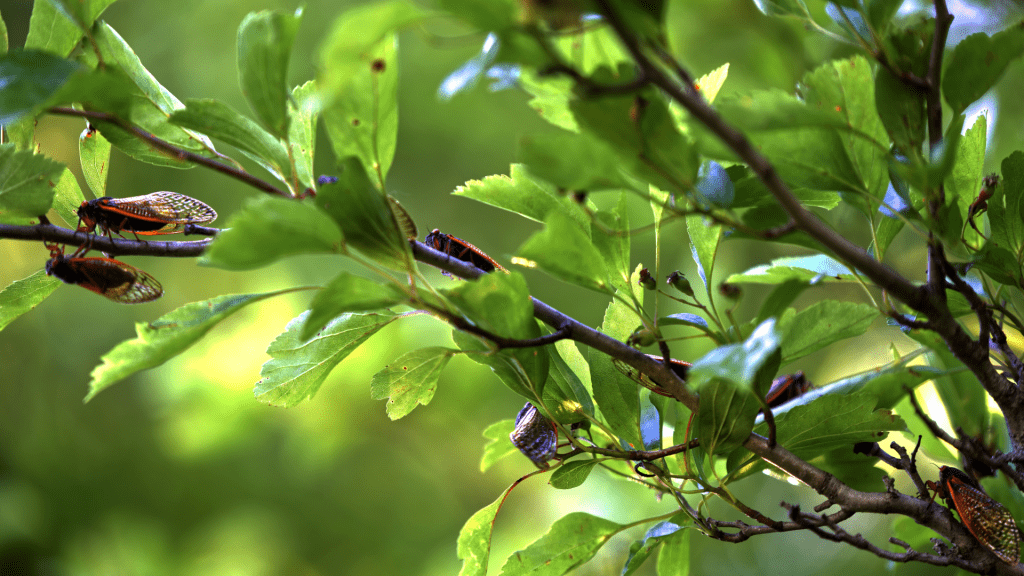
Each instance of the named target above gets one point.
<point>113,246</point>
<point>576,330</point>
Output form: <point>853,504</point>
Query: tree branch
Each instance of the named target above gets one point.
<point>173,151</point>
<point>113,246</point>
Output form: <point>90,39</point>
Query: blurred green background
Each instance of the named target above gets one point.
<point>179,471</point>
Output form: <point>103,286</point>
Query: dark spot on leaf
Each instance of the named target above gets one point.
<point>355,122</point>
<point>378,65</point>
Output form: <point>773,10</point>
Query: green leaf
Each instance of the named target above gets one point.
<point>348,293</point>
<point>302,131</point>
<point>51,29</point>
<point>821,324</point>
<point>268,228</point>
<point>30,79</point>
<point>963,396</point>
<point>674,556</point>
<point>610,236</point>
<point>166,337</point>
<point>26,181</point>
<point>149,109</point>
<point>519,193</point>
<point>558,156</point>
<point>264,46</point>
<point>498,445</point>
<point>4,39</point>
<point>780,298</point>
<point>297,368</point>
<point>704,241</point>
<point>84,12</point>
<point>501,304</point>
<point>977,63</point>
<point>576,371</point>
<point>94,151</point>
<point>1007,205</point>
<point>833,421</point>
<point>964,181</point>
<point>616,394</point>
<point>642,549</point>
<point>362,121</point>
<point>507,367</point>
<point>347,52</point>
<point>901,109</point>
<point>218,121</point>
<point>365,216</point>
<point>551,95</point>
<point>474,548</point>
<point>858,471</point>
<point>565,252</point>
<point>23,295</point>
<point>644,137</point>
<point>67,198</point>
<point>572,474</point>
<point>571,541</point>
<point>411,380</point>
<point>724,378</point>
<point>805,268</point>
<point>736,363</point>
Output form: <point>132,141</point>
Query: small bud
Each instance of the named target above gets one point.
<point>647,281</point>
<point>730,291</point>
<point>679,282</point>
<point>642,337</point>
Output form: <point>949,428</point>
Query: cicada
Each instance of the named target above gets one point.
<point>156,213</point>
<point>989,521</point>
<point>461,250</point>
<point>107,277</point>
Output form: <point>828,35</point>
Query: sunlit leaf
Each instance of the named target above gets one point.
<point>218,121</point>
<point>498,445</point>
<point>474,547</point>
<point>572,474</point>
<point>166,337</point>
<point>268,228</point>
<point>29,79</point>
<point>571,541</point>
<point>362,121</point>
<point>23,295</point>
<point>410,380</point>
<point>821,324</point>
<point>94,150</point>
<point>298,367</point>
<point>563,251</point>
<point>519,192</point>
<point>349,293</point>
<point>264,46</point>
<point>27,181</point>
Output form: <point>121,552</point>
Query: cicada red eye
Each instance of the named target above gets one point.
<point>461,250</point>
<point>534,435</point>
<point>989,521</point>
<point>156,213</point>
<point>113,279</point>
<point>786,388</point>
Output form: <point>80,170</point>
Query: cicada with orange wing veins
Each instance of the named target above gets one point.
<point>989,521</point>
<point>786,388</point>
<point>535,435</point>
<point>156,213</point>
<point>461,250</point>
<point>107,277</point>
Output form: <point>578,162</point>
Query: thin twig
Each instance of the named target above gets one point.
<point>171,150</point>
